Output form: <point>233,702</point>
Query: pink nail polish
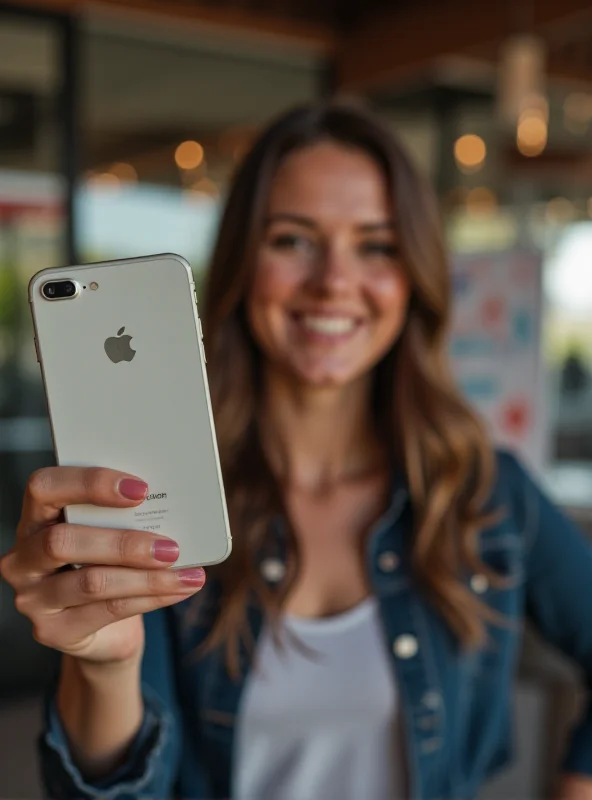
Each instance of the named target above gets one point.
<point>165,550</point>
<point>192,577</point>
<point>133,489</point>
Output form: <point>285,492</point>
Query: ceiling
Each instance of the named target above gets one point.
<point>154,72</point>
<point>339,15</point>
<point>373,44</point>
<point>378,46</point>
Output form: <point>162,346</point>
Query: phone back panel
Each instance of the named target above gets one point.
<point>149,416</point>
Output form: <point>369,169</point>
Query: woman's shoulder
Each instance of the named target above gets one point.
<point>509,466</point>
<point>523,504</point>
<point>512,475</point>
<point>515,494</point>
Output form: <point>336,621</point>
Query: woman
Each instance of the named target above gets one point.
<point>362,639</point>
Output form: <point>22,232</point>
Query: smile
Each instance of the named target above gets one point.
<point>319,327</point>
<point>330,326</point>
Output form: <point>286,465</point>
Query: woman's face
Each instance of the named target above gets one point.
<point>330,294</point>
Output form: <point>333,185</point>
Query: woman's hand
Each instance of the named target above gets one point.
<point>92,613</point>
<point>575,787</point>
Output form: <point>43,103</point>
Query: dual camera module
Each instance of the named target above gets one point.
<point>59,290</point>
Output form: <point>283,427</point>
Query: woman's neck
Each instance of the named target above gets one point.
<point>318,438</point>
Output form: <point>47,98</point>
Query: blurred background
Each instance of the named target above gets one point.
<point>120,124</point>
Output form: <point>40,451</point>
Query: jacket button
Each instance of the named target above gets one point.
<point>405,646</point>
<point>388,561</point>
<point>432,699</point>
<point>479,583</point>
<point>273,569</point>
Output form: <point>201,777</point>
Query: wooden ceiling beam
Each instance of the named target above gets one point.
<point>391,46</point>
<point>306,36</point>
<point>396,44</point>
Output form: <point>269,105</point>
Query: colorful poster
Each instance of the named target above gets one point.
<point>496,346</point>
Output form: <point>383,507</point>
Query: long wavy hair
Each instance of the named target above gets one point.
<point>430,432</point>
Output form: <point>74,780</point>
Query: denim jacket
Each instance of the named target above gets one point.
<point>456,704</point>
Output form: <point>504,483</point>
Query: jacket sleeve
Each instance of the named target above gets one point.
<point>559,593</point>
<point>152,764</point>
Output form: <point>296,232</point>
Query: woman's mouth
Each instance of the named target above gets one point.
<point>326,328</point>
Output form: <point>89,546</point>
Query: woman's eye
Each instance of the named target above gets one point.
<point>385,249</point>
<point>285,241</point>
<point>291,241</point>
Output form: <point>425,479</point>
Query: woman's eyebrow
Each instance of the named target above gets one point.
<point>285,216</point>
<point>376,227</point>
<point>308,222</point>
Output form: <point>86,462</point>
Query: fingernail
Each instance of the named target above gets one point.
<point>165,550</point>
<point>192,577</point>
<point>133,489</point>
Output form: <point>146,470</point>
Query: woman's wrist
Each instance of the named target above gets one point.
<point>99,672</point>
<point>575,787</point>
<point>101,708</point>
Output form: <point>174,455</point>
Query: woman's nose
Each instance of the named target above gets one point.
<point>333,272</point>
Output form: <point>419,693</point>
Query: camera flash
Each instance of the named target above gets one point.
<point>94,286</point>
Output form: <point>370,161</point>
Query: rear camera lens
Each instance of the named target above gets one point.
<point>59,290</point>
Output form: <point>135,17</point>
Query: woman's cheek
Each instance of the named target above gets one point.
<point>390,290</point>
<point>275,281</point>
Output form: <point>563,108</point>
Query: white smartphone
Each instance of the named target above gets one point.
<point>123,364</point>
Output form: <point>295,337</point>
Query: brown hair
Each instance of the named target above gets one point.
<point>430,431</point>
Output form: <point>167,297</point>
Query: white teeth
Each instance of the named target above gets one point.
<point>330,326</point>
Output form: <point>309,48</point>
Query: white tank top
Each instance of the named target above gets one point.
<point>323,725</point>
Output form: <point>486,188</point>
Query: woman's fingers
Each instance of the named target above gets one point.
<point>124,572</point>
<point>92,585</point>
<point>50,490</point>
<point>68,608</point>
<point>61,544</point>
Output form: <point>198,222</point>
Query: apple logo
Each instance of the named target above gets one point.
<point>118,347</point>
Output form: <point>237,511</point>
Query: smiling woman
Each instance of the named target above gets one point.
<point>368,508</point>
<point>342,286</point>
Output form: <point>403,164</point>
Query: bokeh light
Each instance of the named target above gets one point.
<point>189,155</point>
<point>470,152</point>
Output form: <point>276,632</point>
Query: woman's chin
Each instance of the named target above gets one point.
<point>323,376</point>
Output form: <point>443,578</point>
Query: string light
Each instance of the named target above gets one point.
<point>189,155</point>
<point>531,133</point>
<point>470,152</point>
